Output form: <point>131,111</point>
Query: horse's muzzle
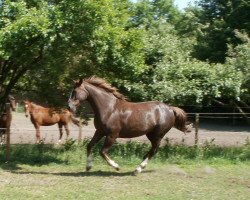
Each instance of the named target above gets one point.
<point>71,107</point>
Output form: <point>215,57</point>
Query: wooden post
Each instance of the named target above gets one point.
<point>8,122</point>
<point>234,117</point>
<point>80,131</point>
<point>196,128</point>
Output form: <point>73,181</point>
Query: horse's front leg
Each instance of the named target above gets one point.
<point>109,141</point>
<point>38,137</point>
<point>95,139</point>
<point>2,136</point>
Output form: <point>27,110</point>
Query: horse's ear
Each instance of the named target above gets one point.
<point>80,81</point>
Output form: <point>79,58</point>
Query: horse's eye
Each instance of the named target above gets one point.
<point>73,95</point>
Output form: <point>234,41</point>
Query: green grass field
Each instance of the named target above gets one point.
<point>177,172</point>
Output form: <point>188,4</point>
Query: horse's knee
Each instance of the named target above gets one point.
<point>89,147</point>
<point>101,152</point>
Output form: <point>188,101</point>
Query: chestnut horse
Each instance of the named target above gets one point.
<point>115,117</point>
<point>6,117</point>
<point>41,116</point>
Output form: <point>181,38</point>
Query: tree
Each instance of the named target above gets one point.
<point>24,37</point>
<point>173,76</point>
<point>239,58</point>
<point>220,19</point>
<point>63,39</point>
<point>147,13</point>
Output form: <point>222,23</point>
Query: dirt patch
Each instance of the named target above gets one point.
<point>23,132</point>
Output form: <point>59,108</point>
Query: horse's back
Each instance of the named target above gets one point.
<point>48,117</point>
<point>137,119</point>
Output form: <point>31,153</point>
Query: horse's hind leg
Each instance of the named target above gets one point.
<point>96,138</point>
<point>109,141</point>
<point>155,142</point>
<point>67,130</point>
<point>60,126</point>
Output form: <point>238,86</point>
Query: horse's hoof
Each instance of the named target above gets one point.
<point>138,170</point>
<point>88,168</point>
<point>117,168</point>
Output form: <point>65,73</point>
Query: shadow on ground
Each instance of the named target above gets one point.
<point>98,173</point>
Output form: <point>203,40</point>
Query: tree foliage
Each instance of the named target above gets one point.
<point>149,49</point>
<point>221,19</point>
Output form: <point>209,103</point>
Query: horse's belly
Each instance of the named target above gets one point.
<point>130,134</point>
<point>48,122</point>
<point>135,131</point>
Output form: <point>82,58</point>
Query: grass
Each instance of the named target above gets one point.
<point>177,172</point>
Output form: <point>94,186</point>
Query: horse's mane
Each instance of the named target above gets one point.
<point>101,83</point>
<point>51,109</point>
<point>34,104</point>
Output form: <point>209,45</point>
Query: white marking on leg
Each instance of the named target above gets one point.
<point>141,166</point>
<point>138,169</point>
<point>113,164</point>
<point>144,163</point>
<point>89,162</point>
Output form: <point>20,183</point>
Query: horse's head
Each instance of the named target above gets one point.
<point>27,105</point>
<point>78,94</point>
<point>12,101</point>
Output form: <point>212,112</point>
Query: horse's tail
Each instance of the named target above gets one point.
<point>77,122</point>
<point>181,119</point>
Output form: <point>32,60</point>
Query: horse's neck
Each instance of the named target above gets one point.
<point>35,107</point>
<point>100,100</point>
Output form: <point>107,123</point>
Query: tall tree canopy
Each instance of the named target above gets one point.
<point>44,42</point>
<point>148,49</point>
<point>220,19</point>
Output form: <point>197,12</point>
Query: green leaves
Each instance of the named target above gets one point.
<point>146,49</point>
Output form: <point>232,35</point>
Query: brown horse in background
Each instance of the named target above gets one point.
<point>41,116</point>
<point>6,117</point>
<point>115,117</point>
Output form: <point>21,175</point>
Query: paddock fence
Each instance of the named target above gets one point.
<point>194,117</point>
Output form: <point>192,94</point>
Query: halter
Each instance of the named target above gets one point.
<point>82,87</point>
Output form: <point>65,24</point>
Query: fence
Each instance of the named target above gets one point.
<point>196,116</point>
<point>6,122</point>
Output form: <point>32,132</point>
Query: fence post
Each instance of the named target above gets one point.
<point>234,117</point>
<point>197,118</point>
<point>8,123</point>
<point>80,131</point>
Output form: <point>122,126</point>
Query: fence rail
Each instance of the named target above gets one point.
<point>220,115</point>
<point>197,116</point>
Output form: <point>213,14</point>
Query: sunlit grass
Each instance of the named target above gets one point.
<point>176,172</point>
